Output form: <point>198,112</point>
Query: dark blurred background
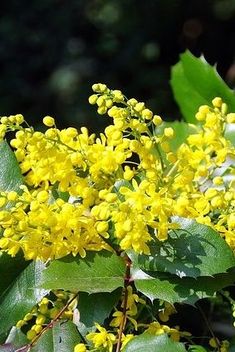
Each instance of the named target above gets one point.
<point>52,51</point>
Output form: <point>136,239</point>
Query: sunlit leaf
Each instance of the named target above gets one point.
<point>171,288</point>
<point>192,250</point>
<point>97,272</point>
<point>195,82</point>
<point>10,174</point>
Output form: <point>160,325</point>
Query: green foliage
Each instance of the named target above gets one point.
<point>149,343</point>
<point>10,174</point>
<point>196,348</point>
<point>190,251</point>
<point>91,312</point>
<point>21,296</point>
<point>195,82</point>
<point>171,288</point>
<point>192,264</point>
<point>97,272</point>
<point>10,268</point>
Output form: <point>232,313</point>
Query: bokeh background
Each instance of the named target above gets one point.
<point>52,51</point>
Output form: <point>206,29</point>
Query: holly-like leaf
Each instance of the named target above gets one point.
<point>152,343</point>
<point>62,337</point>
<point>195,82</point>
<point>20,297</point>
<point>95,308</point>
<point>10,174</point>
<point>171,288</point>
<point>192,250</point>
<point>97,272</point>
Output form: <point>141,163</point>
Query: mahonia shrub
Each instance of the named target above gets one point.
<point>110,231</point>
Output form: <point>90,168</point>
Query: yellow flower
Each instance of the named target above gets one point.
<point>80,348</point>
<point>102,338</point>
<point>48,121</point>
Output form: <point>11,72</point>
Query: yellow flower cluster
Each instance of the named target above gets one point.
<point>82,192</point>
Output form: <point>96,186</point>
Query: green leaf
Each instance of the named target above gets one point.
<point>171,288</point>
<point>196,348</point>
<point>192,250</point>
<point>95,308</point>
<point>10,174</point>
<point>97,272</point>
<point>58,194</point>
<point>62,337</point>
<point>195,82</point>
<point>182,131</point>
<point>10,268</point>
<point>19,298</point>
<point>151,343</point>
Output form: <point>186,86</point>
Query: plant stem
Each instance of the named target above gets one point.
<point>125,298</point>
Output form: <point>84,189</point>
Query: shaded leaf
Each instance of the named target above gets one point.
<point>96,307</point>
<point>21,296</point>
<point>195,82</point>
<point>151,343</point>
<point>192,250</point>
<point>10,268</point>
<point>171,288</point>
<point>56,193</point>
<point>97,272</point>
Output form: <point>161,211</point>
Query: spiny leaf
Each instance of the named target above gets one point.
<point>195,82</point>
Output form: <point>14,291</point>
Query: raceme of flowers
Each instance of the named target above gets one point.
<point>119,189</point>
